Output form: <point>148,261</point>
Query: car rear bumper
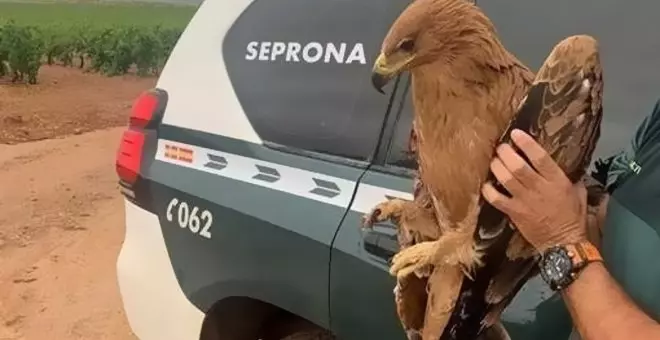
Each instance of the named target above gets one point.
<point>154,303</point>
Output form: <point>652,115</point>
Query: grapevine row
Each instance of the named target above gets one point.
<point>108,50</point>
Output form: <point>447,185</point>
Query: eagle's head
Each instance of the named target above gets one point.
<point>430,31</point>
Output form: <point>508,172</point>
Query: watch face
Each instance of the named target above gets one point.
<point>556,267</point>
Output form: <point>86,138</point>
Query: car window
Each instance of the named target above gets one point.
<point>301,71</point>
<point>630,49</point>
<point>398,154</point>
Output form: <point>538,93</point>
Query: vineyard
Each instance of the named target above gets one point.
<point>110,45</point>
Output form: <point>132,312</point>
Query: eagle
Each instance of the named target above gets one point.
<point>563,112</point>
<point>461,261</point>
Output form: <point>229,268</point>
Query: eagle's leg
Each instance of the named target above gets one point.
<point>396,208</point>
<point>416,222</point>
<point>456,247</point>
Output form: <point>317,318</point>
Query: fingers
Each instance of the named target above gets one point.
<point>518,167</point>
<point>497,199</point>
<point>505,177</point>
<point>537,155</point>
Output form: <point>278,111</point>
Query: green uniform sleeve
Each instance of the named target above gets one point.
<point>624,163</point>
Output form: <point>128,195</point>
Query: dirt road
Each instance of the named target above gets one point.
<point>61,218</point>
<point>61,232</point>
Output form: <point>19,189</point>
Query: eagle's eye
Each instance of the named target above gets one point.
<point>407,45</point>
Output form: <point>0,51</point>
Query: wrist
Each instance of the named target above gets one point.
<point>588,270</point>
<point>562,240</point>
<point>561,265</point>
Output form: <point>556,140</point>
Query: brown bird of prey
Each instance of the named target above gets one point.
<point>466,88</point>
<point>563,112</point>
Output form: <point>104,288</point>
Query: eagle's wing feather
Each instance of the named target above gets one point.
<point>562,111</point>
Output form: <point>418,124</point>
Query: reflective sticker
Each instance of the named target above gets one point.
<point>179,153</point>
<point>303,183</point>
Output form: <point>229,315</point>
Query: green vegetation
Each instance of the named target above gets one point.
<point>97,14</point>
<point>108,38</point>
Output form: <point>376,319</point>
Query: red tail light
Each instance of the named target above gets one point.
<point>143,110</point>
<point>129,156</point>
<point>145,115</point>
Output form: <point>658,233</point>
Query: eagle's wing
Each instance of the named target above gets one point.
<point>563,111</point>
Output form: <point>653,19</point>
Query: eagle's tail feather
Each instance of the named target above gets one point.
<point>495,332</point>
<point>444,284</point>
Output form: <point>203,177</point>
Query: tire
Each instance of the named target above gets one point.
<point>310,335</point>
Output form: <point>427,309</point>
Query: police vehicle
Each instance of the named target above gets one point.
<point>247,170</point>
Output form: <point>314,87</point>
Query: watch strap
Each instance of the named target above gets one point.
<point>579,254</point>
<point>583,253</point>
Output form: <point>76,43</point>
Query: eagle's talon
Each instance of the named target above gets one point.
<point>412,259</point>
<point>467,272</point>
<point>447,250</point>
<point>388,210</point>
<point>369,220</point>
<point>424,271</point>
<point>471,259</point>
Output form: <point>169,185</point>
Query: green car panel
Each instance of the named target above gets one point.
<point>267,244</point>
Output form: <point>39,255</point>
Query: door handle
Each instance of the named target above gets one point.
<point>380,241</point>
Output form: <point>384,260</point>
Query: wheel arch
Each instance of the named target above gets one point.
<point>246,318</point>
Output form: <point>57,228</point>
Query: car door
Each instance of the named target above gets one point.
<point>361,298</point>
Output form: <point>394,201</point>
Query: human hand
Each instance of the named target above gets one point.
<point>545,206</point>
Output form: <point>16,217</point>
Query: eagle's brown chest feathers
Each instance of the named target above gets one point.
<point>457,124</point>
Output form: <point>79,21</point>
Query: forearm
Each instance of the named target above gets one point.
<point>602,311</point>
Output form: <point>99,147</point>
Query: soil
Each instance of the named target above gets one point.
<point>65,101</point>
<point>61,214</point>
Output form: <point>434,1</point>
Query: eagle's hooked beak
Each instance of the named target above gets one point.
<point>385,68</point>
<point>380,73</point>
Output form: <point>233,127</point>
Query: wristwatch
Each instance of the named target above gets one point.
<point>560,265</point>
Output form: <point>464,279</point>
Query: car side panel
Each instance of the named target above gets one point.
<point>274,217</point>
<point>275,213</point>
<point>196,75</point>
<point>148,285</point>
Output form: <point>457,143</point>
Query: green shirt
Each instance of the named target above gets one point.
<point>631,235</point>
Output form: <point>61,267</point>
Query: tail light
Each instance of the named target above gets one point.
<point>146,113</point>
<point>129,156</point>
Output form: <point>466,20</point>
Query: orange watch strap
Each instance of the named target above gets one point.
<point>583,252</point>
<point>590,252</point>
